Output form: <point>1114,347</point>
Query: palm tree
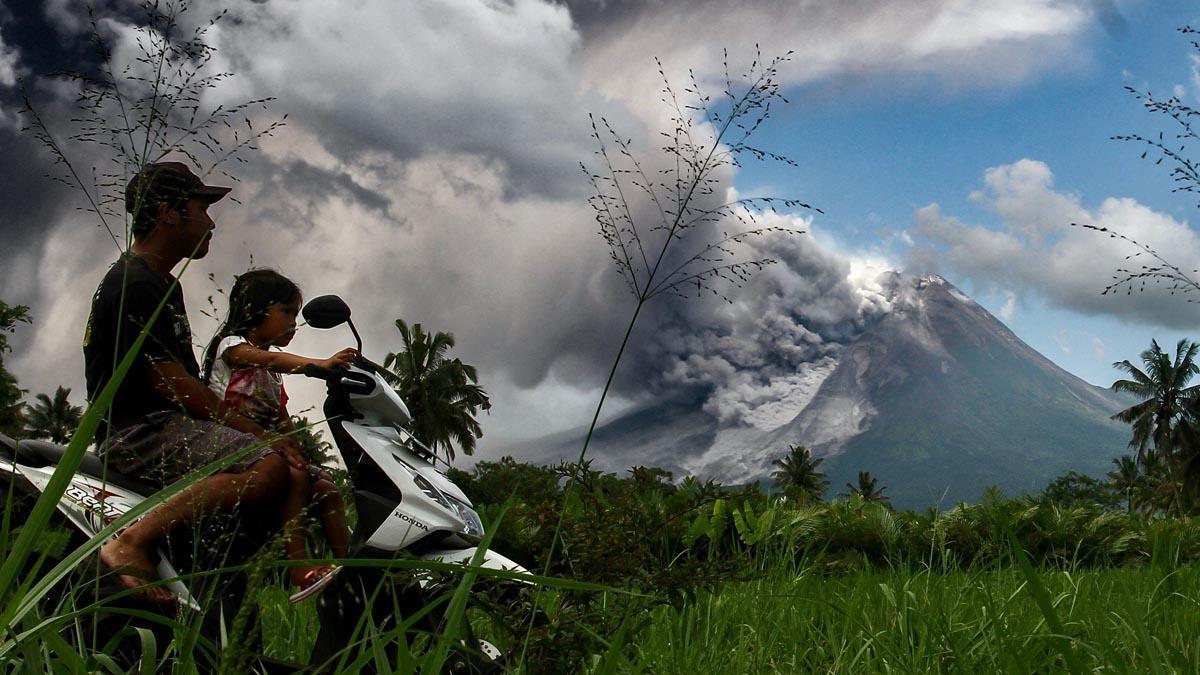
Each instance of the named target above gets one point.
<point>1158,488</point>
<point>866,488</point>
<point>798,476</point>
<point>312,443</point>
<point>1167,397</point>
<point>53,420</point>
<point>442,394</point>
<point>1126,479</point>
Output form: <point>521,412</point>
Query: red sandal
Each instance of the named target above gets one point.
<point>313,580</point>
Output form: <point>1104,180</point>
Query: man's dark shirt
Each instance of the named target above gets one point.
<point>114,325</point>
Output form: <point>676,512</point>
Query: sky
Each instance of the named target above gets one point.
<point>429,170</point>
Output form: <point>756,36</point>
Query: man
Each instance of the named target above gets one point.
<point>164,421</point>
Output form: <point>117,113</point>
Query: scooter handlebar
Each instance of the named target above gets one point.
<point>354,383</point>
<point>319,373</point>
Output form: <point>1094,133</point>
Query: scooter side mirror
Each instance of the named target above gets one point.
<point>326,311</point>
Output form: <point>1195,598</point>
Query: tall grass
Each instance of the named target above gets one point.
<point>916,620</point>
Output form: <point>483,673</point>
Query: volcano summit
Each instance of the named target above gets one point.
<point>937,398</point>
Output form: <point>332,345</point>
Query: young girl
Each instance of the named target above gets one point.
<point>244,365</point>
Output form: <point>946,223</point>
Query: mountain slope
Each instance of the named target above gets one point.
<point>982,408</point>
<point>938,399</point>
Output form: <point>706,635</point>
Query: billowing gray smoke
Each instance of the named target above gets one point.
<point>760,358</point>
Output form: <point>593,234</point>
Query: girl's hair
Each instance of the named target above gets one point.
<point>252,294</point>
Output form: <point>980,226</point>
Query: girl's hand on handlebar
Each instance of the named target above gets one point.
<point>342,359</point>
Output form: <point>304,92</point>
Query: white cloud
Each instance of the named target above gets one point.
<point>1099,350</point>
<point>1009,310</point>
<point>493,79</point>
<point>1195,60</point>
<point>1063,342</point>
<point>8,65</point>
<point>959,42</point>
<point>1035,248</point>
<point>1023,194</point>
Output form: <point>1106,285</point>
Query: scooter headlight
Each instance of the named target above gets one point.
<point>472,525</point>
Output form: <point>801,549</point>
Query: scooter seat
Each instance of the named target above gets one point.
<point>41,454</point>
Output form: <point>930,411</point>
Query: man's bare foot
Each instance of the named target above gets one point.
<point>134,569</point>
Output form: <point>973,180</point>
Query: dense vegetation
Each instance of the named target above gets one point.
<point>677,536</point>
<point>700,552</point>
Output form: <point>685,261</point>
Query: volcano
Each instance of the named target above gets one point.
<point>938,399</point>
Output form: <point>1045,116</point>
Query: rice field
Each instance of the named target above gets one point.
<point>801,620</point>
<point>1123,620</point>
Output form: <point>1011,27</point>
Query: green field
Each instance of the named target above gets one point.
<point>798,620</point>
<point>886,621</point>
<point>773,607</point>
<point>645,575</point>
